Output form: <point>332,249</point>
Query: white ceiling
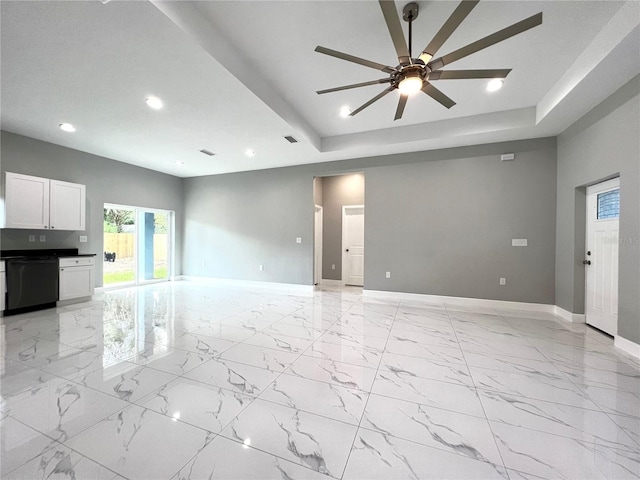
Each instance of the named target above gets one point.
<point>238,74</point>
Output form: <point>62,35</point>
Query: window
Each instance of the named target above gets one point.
<point>609,204</point>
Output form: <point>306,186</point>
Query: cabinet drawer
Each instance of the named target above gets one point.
<point>76,261</point>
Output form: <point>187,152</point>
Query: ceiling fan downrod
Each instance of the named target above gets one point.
<point>409,14</point>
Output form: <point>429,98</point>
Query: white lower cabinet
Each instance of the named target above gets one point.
<point>77,277</point>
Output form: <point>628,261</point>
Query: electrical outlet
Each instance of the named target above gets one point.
<point>388,275</point>
<point>333,266</point>
<point>204,264</point>
<point>43,238</point>
<point>519,242</point>
<point>32,238</point>
<point>262,268</point>
<point>298,239</point>
<point>83,239</point>
<point>503,281</point>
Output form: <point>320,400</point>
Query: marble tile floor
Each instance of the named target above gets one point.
<point>190,381</point>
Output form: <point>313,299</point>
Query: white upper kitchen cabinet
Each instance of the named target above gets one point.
<point>26,202</point>
<point>40,203</point>
<point>66,206</point>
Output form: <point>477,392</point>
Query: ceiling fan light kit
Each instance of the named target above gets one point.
<point>412,75</point>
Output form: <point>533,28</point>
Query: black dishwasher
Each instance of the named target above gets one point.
<point>31,281</point>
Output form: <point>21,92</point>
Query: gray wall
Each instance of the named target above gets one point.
<point>234,223</point>
<point>445,227</point>
<point>337,191</point>
<point>441,221</point>
<point>602,144</point>
<point>107,181</point>
<point>317,191</point>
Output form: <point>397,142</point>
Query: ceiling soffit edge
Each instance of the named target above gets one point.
<point>454,127</point>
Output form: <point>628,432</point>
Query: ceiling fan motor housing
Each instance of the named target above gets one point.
<point>407,71</point>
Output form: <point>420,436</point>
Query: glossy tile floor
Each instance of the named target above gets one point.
<point>187,381</point>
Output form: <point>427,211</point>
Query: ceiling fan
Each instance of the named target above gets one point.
<point>412,75</point>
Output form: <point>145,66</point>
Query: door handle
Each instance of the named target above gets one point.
<point>586,262</point>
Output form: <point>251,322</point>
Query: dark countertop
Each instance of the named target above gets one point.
<point>48,252</point>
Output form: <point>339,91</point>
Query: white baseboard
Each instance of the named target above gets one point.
<point>462,301</point>
<point>227,282</point>
<point>568,316</point>
<point>628,346</point>
<point>331,283</point>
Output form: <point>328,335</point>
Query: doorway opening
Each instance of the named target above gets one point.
<point>334,197</point>
<point>138,245</point>
<point>601,259</point>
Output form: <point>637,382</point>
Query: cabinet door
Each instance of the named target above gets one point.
<point>67,206</point>
<point>76,282</point>
<point>26,202</point>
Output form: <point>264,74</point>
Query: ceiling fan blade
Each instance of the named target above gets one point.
<point>464,74</point>
<point>437,95</point>
<point>358,60</point>
<point>354,85</point>
<point>374,99</point>
<point>395,30</point>
<point>402,101</point>
<point>487,41</point>
<point>453,22</point>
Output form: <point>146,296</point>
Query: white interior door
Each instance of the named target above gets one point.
<point>353,245</point>
<point>317,246</point>
<point>601,260</point>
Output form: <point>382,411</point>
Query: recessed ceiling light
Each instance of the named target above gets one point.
<point>154,102</point>
<point>345,111</point>
<point>495,85</point>
<point>250,153</point>
<point>67,127</point>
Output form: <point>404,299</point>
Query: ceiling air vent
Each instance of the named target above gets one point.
<point>207,152</point>
<point>291,139</point>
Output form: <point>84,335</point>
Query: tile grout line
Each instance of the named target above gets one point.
<point>55,443</point>
<point>364,410</point>
<point>476,393</point>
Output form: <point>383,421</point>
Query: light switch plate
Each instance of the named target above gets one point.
<point>298,239</point>
<point>519,242</point>
<point>43,238</point>
<point>503,281</point>
<point>388,275</point>
<point>32,238</point>
<point>83,239</point>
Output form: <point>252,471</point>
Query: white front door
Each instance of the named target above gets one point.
<point>353,245</point>
<point>317,246</point>
<point>601,260</point>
